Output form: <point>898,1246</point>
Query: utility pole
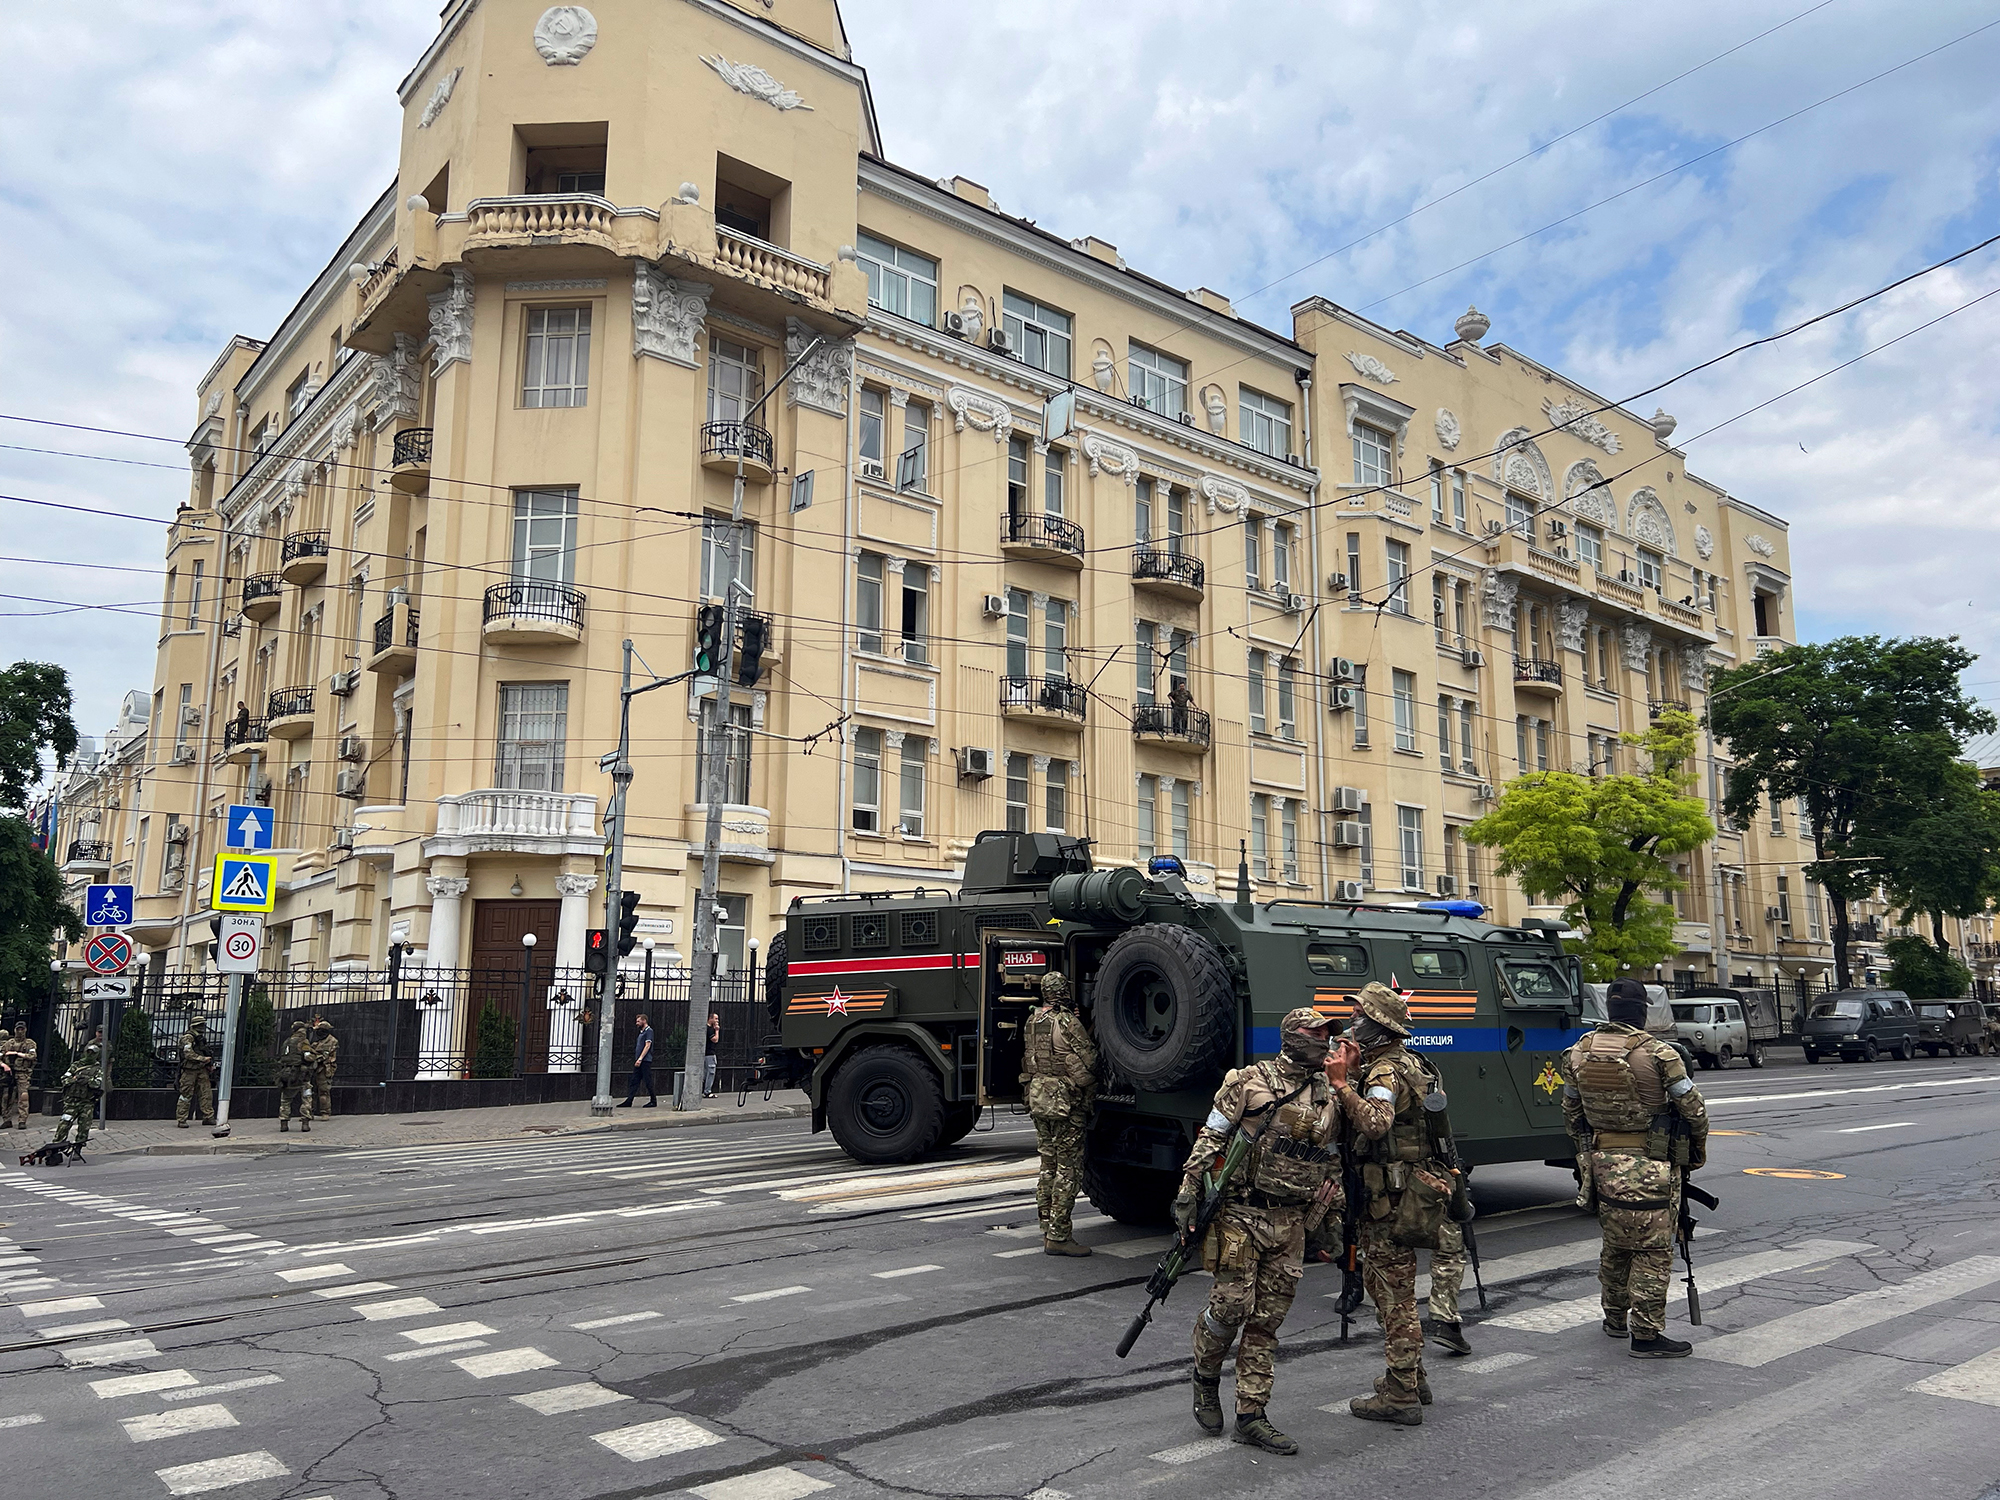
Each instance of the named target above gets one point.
<point>234,1008</point>
<point>620,767</point>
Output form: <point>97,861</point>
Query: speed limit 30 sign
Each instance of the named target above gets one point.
<point>240,946</point>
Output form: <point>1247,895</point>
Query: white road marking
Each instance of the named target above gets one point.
<point>78,1330</point>
<point>33,1310</point>
<point>402,1307</point>
<point>1555,1317</point>
<point>657,1439</point>
<point>220,1473</point>
<point>1863,1129</point>
<point>1819,1325</point>
<point>1940,1078</point>
<point>1187,1453</point>
<point>634,1317</point>
<point>248,1382</point>
<point>1005,1209</point>
<point>202,1227</point>
<point>783,1291</point>
<point>1487,1364</point>
<point>562,1398</point>
<point>1975,1380</point>
<point>314,1273</point>
<point>1031,1250</point>
<point>1045,1493</point>
<point>225,1239</point>
<point>165,1424</point>
<point>504,1362</point>
<point>139,1385</point>
<point>253,1245</point>
<point>773,1484</point>
<point>441,1333</point>
<point>128,1352</point>
<point>29,1420</point>
<point>903,1271</point>
<point>457,1348</point>
<point>1021,1231</point>
<point>359,1289</point>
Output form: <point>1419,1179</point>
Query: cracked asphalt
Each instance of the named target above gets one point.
<point>740,1313</point>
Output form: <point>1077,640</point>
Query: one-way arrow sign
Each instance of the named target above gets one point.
<point>249,826</point>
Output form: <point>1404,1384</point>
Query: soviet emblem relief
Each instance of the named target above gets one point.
<point>748,78</point>
<point>565,34</point>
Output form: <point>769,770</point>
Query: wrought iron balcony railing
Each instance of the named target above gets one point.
<point>529,599</point>
<point>1038,529</point>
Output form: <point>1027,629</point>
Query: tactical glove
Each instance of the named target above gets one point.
<point>1186,1202</point>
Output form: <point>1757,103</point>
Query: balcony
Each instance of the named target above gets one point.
<point>1169,574</point>
<point>724,444</point>
<point>746,832</point>
<point>305,557</point>
<point>410,460</point>
<point>1532,676</point>
<point>1660,706</point>
<point>1615,590</point>
<point>503,821</point>
<point>87,857</point>
<point>395,650</point>
<point>750,257</point>
<point>1044,700</point>
<point>261,595</point>
<point>1033,536</point>
<point>290,714</point>
<point>1177,728</point>
<point>530,613</point>
<point>243,737</point>
<point>542,219</point>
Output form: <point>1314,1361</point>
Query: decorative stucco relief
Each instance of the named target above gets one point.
<point>565,34</point>
<point>985,413</point>
<point>1647,521</point>
<point>451,323</point>
<point>1575,418</point>
<point>667,315</point>
<point>1704,542</point>
<point>821,382</point>
<point>1223,494</point>
<point>1761,545</point>
<point>1496,595</point>
<point>1111,458</point>
<point>748,78</point>
<point>1448,430</point>
<point>440,97</point>
<point>1371,368</point>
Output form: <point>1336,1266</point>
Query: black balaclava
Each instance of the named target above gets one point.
<point>1625,1002</point>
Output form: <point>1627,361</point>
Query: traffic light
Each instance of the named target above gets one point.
<point>596,951</point>
<point>215,933</point>
<point>628,922</point>
<point>756,638</point>
<point>707,638</point>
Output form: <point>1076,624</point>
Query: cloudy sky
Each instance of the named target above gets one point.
<point>177,171</point>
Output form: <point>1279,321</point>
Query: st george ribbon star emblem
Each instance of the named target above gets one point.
<point>836,1003</point>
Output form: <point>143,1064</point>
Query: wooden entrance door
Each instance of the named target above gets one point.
<point>497,960</point>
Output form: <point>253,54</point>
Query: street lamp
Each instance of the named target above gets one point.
<point>527,988</point>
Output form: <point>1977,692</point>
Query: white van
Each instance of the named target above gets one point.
<point>1714,1031</point>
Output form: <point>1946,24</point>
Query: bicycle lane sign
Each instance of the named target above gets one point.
<point>107,906</point>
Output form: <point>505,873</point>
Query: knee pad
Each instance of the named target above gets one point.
<point>1220,1330</point>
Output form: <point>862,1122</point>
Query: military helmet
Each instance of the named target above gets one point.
<point>322,1025</point>
<point>298,1026</point>
<point>90,1053</point>
<point>1305,1018</point>
<point>1384,1007</point>
<point>1055,989</point>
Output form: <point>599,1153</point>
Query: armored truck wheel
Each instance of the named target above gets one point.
<point>1131,1195</point>
<point>959,1119</point>
<point>1165,1006</point>
<point>885,1106</point>
<point>774,979</point>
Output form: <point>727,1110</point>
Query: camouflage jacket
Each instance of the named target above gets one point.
<point>82,1084</point>
<point>1250,1092</point>
<point>193,1058</point>
<point>1676,1089</point>
<point>324,1053</point>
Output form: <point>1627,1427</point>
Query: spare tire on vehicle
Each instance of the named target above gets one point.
<point>775,973</point>
<point>1165,1008</point>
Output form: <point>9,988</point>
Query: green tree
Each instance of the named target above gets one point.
<point>132,1064</point>
<point>1860,730</point>
<point>493,1054</point>
<point>34,715</point>
<point>1925,972</point>
<point>1941,855</point>
<point>1605,846</point>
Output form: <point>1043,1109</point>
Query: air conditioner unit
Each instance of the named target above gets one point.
<point>1563,553</point>
<point>994,606</point>
<point>1557,529</point>
<point>1341,668</point>
<point>177,833</point>
<point>871,468</point>
<point>1468,768</point>
<point>1187,419</point>
<point>1336,583</point>
<point>1347,890</point>
<point>398,595</point>
<point>1349,799</point>
<point>1485,792</point>
<point>1294,604</point>
<point>1494,528</point>
<point>191,714</point>
<point>1295,460</point>
<point>184,755</point>
<point>353,747</point>
<point>998,341</point>
<point>1347,835</point>
<point>351,784</point>
<point>1340,700</point>
<point>1625,576</point>
<point>1770,914</point>
<point>954,324</point>
<point>258,791</point>
<point>344,684</point>
<point>343,838</point>
<point>1447,885</point>
<point>975,762</point>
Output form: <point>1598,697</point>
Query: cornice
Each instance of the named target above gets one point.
<point>414,80</point>
<point>310,430</point>
<point>329,284</point>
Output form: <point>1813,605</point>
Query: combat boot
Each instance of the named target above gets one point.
<point>1423,1387</point>
<point>1659,1346</point>
<point>1616,1328</point>
<point>1449,1336</point>
<point>183,1124</point>
<point>1064,1247</point>
<point>305,1127</point>
<point>1392,1402</point>
<point>1208,1403</point>
<point>284,1127</point>
<point>1255,1429</point>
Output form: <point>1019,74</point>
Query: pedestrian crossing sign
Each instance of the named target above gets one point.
<point>243,883</point>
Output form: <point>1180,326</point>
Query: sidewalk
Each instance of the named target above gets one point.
<point>368,1132</point>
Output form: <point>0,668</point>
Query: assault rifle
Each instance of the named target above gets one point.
<point>1685,1235</point>
<point>1352,1285</point>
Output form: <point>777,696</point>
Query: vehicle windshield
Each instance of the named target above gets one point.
<point>1934,1012</point>
<point>1849,1008</point>
<point>1689,1013</point>
<point>1536,981</point>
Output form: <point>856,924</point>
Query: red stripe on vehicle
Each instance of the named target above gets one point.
<point>812,968</point>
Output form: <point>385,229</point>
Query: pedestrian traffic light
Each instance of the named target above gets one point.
<point>707,638</point>
<point>596,951</point>
<point>215,935</point>
<point>628,922</point>
<point>756,639</point>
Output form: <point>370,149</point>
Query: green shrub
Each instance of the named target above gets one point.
<point>1924,972</point>
<point>493,1057</point>
<point>132,1064</point>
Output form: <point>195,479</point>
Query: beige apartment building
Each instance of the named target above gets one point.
<point>1317,592</point>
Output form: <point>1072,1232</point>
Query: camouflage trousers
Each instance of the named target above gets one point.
<point>295,1099</point>
<point>1257,1256</point>
<point>79,1118</point>
<point>1447,1272</point>
<point>197,1097</point>
<point>1059,1139</point>
<point>1637,1204</point>
<point>322,1094</point>
<point>14,1104</point>
<point>1390,1272</point>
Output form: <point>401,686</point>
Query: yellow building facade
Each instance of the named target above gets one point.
<point>1316,592</point>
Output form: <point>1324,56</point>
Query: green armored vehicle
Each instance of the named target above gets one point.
<point>900,1013</point>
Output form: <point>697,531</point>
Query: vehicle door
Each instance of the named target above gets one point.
<point>1734,1031</point>
<point>1903,1023</point>
<point>1011,967</point>
<point>1539,1007</point>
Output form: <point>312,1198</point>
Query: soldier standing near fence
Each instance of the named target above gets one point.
<point>325,1054</point>
<point>80,1087</point>
<point>18,1053</point>
<point>197,1093</point>
<point>295,1067</point>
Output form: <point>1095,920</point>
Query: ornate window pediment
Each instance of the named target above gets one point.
<point>1646,521</point>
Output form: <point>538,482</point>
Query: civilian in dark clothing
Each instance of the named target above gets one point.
<point>642,1068</point>
<point>708,1061</point>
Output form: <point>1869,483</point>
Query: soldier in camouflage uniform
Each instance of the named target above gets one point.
<point>325,1053</point>
<point>197,1093</point>
<point>1619,1087</point>
<point>1256,1249</point>
<point>18,1053</point>
<point>295,1066</point>
<point>80,1087</point>
<point>1059,1073</point>
<point>1447,1278</point>
<point>1394,1119</point>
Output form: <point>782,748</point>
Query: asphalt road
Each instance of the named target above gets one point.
<point>742,1314</point>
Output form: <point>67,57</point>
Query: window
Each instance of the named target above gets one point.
<point>1603,656</point>
<point>735,379</point>
<point>1017,632</point>
<point>1258,713</point>
<point>1467,762</point>
<point>194,595</point>
<point>181,718</point>
<point>1458,608</point>
<point>1777,817</point>
<point>916,612</point>
<point>1451,852</point>
<point>913,468</point>
<point>899,281</point>
<point>1784,903</point>
<point>735,755</point>
<point>732,928</point>
<point>1804,811</point>
<point>1040,335</point>
<point>1458,501</point>
<point>872,425</point>
<point>868,604</point>
<point>1146,835</point>
<point>1520,515</point>
<point>1398,576</point>
<point>1650,574</point>
<point>534,719</point>
<point>1260,836</point>
<point>1264,422</point>
<point>1444,731</point>
<point>1814,929</point>
<point>1253,552</point>
<point>1142,512</point>
<point>1360,705</point>
<point>1017,476</point>
<point>1439,963</point>
<point>1541,744</point>
<point>1521,741</point>
<point>1367,821</point>
<point>545,535</point>
<point>916,754</point>
<point>1437,493</point>
<point>297,394</point>
<point>1373,463</point>
<point>1353,564</point>
<point>1159,517</point>
<point>1288,832</point>
<point>1148,663</point>
<point>1183,804</point>
<point>715,556</point>
<point>1282,542</point>
<point>1058,796</point>
<point>1052,480</point>
<point>1438,614</point>
<point>1176,518</point>
<point>557,367</point>
<point>1410,838</point>
<point>1017,793</point>
<point>1288,699</point>
<point>1403,685</point>
<point>1338,959</point>
<point>868,780</point>
<point>167,604</point>
<point>1158,381</point>
<point>1055,638</point>
<point>1589,545</point>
